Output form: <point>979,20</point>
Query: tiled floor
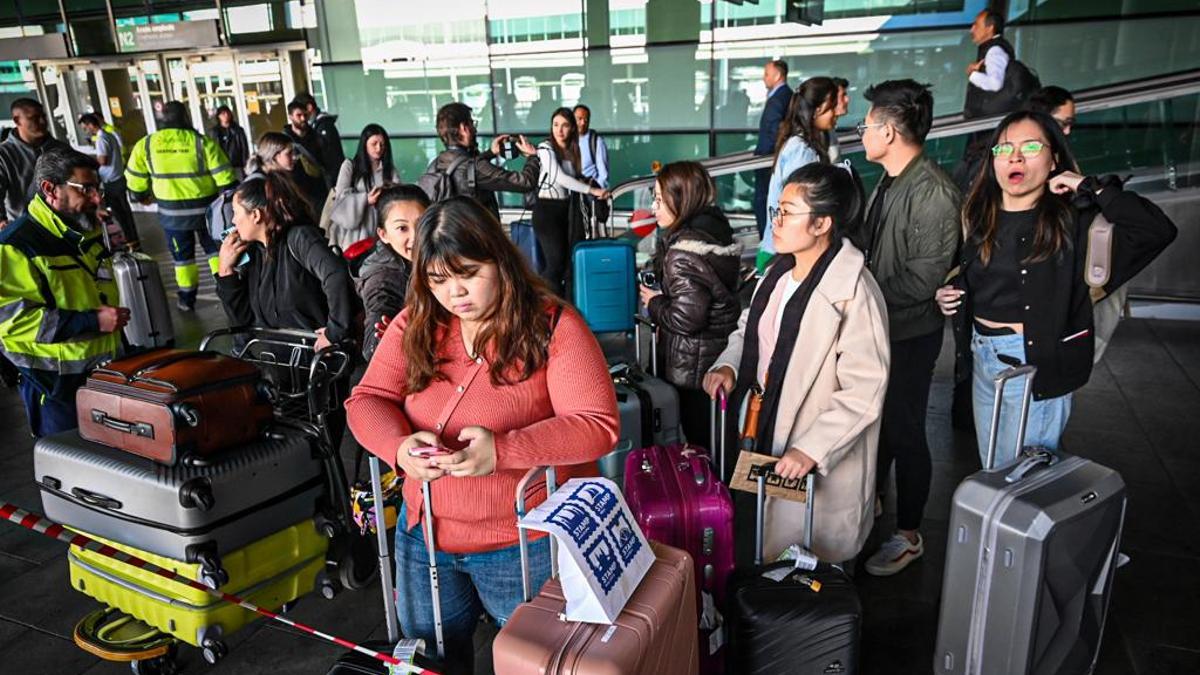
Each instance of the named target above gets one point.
<point>1138,415</point>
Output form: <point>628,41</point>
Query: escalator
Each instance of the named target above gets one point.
<point>1145,131</point>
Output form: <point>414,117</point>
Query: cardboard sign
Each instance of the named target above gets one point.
<point>602,554</point>
<point>745,478</point>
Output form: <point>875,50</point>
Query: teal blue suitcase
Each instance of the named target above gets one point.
<point>605,284</point>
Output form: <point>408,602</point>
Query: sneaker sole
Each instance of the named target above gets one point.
<point>893,568</point>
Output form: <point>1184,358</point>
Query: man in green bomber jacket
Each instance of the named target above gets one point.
<point>910,236</point>
<point>59,317</point>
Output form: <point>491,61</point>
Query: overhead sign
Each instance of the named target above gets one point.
<point>33,47</point>
<point>174,35</point>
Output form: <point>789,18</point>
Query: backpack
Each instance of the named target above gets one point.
<point>439,184</point>
<point>1020,81</point>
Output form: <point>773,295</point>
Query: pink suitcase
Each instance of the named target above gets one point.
<point>653,635</point>
<point>678,499</point>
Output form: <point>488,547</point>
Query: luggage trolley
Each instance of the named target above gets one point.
<point>310,386</point>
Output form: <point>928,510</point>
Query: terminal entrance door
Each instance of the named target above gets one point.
<point>130,93</point>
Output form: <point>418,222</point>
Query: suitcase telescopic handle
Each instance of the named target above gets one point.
<point>385,557</point>
<point>760,496</point>
<point>435,590</point>
<point>720,410</point>
<point>1027,393</point>
<point>523,536</point>
<point>638,322</point>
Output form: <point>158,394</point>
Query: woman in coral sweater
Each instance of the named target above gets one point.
<point>489,368</point>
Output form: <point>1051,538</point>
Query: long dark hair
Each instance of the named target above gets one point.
<point>571,152</point>
<point>806,101</point>
<point>687,189</point>
<point>278,198</point>
<point>362,160</point>
<point>516,333</point>
<point>981,211</point>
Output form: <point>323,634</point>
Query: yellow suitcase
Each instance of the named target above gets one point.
<point>269,573</point>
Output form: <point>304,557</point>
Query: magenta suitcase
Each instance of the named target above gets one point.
<point>678,500</point>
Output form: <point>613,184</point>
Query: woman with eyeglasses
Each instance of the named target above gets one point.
<point>815,341</point>
<point>803,138</point>
<point>1057,103</point>
<point>1020,295</point>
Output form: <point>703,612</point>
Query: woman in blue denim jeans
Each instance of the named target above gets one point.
<point>1021,274</point>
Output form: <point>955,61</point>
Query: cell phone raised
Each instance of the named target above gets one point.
<point>427,452</point>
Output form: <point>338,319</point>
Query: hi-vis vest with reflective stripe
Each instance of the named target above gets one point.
<point>184,170</point>
<point>49,272</point>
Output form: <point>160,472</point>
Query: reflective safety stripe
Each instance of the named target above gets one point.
<point>201,160</point>
<point>51,322</point>
<point>187,275</point>
<point>67,367</point>
<point>167,211</point>
<point>14,308</point>
<point>139,174</point>
<point>190,174</point>
<point>219,169</point>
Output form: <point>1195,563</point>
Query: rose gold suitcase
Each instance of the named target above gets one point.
<point>654,635</point>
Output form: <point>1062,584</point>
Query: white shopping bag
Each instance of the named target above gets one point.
<point>602,554</point>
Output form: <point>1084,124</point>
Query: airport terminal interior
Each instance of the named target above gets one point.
<point>665,81</point>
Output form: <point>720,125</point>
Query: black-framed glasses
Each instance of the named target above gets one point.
<point>779,214</point>
<point>1027,149</point>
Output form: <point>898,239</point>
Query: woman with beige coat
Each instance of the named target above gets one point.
<point>816,332</point>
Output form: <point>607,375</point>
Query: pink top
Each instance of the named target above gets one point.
<point>564,415</point>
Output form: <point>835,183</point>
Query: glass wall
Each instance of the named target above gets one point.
<point>672,79</point>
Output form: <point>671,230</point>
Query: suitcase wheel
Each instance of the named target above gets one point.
<point>213,650</point>
<point>355,559</point>
<point>188,414</point>
<point>211,573</point>
<point>326,526</point>
<point>197,494</point>
<point>326,586</point>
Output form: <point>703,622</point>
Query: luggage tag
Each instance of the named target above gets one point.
<point>745,478</point>
<point>406,651</point>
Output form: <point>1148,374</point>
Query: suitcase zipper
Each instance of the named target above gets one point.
<point>983,582</point>
<point>130,389</point>
<point>134,587</point>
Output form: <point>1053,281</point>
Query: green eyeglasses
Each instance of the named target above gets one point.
<point>1027,149</point>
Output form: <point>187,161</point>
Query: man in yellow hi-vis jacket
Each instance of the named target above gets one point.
<point>59,317</point>
<point>184,171</point>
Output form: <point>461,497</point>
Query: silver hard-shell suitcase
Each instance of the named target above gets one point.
<point>1030,558</point>
<point>140,285</point>
<point>186,512</point>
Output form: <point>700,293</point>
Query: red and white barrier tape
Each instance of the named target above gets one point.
<point>44,526</point>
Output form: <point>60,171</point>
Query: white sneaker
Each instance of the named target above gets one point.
<point>895,554</point>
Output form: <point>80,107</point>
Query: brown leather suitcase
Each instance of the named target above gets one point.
<point>172,404</point>
<point>654,635</point>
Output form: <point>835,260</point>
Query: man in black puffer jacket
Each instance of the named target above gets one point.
<point>697,263</point>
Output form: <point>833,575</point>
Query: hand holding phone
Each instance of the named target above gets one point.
<point>428,451</point>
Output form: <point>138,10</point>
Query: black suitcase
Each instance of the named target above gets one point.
<point>785,627</point>
<point>356,663</point>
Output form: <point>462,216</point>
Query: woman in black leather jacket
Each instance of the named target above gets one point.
<point>696,306</point>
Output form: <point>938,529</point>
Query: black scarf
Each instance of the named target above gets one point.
<point>789,331</point>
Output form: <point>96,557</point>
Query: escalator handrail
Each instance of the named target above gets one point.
<point>1107,97</point>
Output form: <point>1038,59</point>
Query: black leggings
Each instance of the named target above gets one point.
<point>552,226</point>
<point>902,432</point>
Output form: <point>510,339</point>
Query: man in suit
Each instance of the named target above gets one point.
<point>779,94</point>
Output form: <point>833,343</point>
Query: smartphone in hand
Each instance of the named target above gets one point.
<point>428,452</point>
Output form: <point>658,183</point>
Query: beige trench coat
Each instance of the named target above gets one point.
<point>830,408</point>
